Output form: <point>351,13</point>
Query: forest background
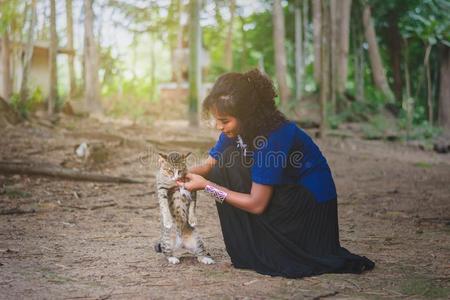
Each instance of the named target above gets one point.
<point>383,63</point>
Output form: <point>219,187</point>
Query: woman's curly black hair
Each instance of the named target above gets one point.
<point>250,98</point>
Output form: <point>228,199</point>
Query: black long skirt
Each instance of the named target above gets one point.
<point>295,236</point>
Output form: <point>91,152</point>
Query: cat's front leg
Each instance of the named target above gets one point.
<point>166,216</point>
<point>192,219</point>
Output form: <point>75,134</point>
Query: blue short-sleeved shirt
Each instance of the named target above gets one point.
<point>287,156</point>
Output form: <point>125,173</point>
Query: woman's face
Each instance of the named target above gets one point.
<point>227,124</point>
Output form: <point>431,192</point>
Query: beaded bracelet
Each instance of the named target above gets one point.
<point>216,193</point>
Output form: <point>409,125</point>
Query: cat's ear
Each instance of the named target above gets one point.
<point>187,154</point>
<point>162,156</point>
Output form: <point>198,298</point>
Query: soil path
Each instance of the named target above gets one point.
<point>83,240</point>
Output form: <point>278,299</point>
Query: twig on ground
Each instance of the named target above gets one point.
<point>138,207</point>
<point>75,207</point>
<point>355,284</point>
<point>142,194</point>
<point>88,208</point>
<point>334,293</point>
<point>103,206</point>
<point>250,282</point>
<point>17,211</point>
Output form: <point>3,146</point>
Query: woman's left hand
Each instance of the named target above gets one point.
<point>194,183</point>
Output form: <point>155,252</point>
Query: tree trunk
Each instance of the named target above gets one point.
<point>317,35</point>
<point>243,60</point>
<point>70,58</point>
<point>92,88</point>
<point>429,87</point>
<point>408,103</point>
<point>6,66</point>
<point>28,55</point>
<point>358,52</point>
<point>306,34</point>
<point>280,53</point>
<point>442,143</point>
<point>343,45</point>
<point>298,51</point>
<point>153,66</point>
<point>379,75</point>
<point>325,65</point>
<point>444,90</point>
<point>15,34</point>
<point>334,50</point>
<point>194,60</point>
<point>229,40</point>
<point>395,47</point>
<point>53,90</point>
<point>178,71</point>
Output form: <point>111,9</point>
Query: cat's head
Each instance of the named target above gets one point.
<point>173,165</point>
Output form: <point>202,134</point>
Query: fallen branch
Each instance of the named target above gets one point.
<point>138,207</point>
<point>142,194</point>
<point>103,206</point>
<point>89,208</point>
<point>47,150</point>
<point>16,211</point>
<point>46,169</point>
<point>75,207</point>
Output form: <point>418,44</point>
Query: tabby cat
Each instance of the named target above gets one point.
<point>177,206</point>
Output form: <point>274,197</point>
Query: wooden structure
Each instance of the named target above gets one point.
<point>39,69</point>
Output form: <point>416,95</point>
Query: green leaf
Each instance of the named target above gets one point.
<point>432,40</point>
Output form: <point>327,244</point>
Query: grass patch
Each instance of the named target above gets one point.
<point>423,165</point>
<point>55,278</point>
<point>16,194</point>
<point>424,287</point>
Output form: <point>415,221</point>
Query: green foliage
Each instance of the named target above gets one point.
<point>429,22</point>
<point>136,87</point>
<point>423,165</point>
<point>14,193</point>
<point>420,22</point>
<point>356,111</point>
<point>424,132</point>
<point>377,127</point>
<point>131,106</point>
<point>31,104</point>
<point>8,13</point>
<point>128,97</point>
<point>110,67</point>
<point>424,287</point>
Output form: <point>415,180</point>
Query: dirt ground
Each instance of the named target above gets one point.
<point>63,239</point>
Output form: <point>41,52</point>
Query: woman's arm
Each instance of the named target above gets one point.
<point>255,202</point>
<point>204,169</point>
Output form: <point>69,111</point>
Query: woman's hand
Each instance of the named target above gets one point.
<point>194,183</point>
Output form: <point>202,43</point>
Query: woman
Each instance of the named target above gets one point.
<point>276,197</point>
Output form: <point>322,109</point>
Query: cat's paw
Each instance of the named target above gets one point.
<point>167,222</point>
<point>206,260</point>
<point>173,260</point>
<point>192,221</point>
